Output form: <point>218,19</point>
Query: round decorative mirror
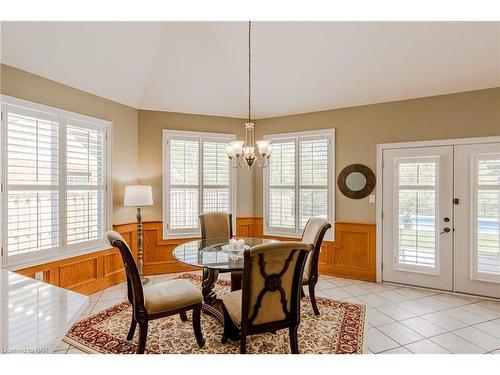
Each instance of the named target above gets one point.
<point>356,181</point>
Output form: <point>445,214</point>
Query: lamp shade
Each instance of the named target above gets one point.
<point>138,195</point>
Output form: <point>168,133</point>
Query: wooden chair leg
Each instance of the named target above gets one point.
<point>231,331</point>
<point>312,297</point>
<point>131,331</point>
<point>183,316</point>
<point>143,334</point>
<point>243,344</point>
<point>294,346</point>
<point>197,326</point>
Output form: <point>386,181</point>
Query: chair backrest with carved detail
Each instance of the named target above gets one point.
<point>272,280</point>
<point>134,283</point>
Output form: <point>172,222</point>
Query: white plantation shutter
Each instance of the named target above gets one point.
<point>216,177</point>
<point>486,203</point>
<point>54,177</point>
<point>313,180</point>
<point>86,182</point>
<point>32,182</point>
<point>298,182</point>
<point>282,185</point>
<point>200,180</point>
<point>416,187</point>
<point>184,184</point>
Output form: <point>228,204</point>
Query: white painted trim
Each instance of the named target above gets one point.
<point>378,214</point>
<point>201,137</point>
<point>439,142</point>
<point>295,136</point>
<point>380,180</point>
<point>13,101</point>
<point>48,259</point>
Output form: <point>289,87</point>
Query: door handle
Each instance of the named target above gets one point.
<point>445,230</point>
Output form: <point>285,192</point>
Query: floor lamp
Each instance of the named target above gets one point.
<point>139,196</point>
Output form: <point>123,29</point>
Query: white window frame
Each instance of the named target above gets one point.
<point>296,137</point>
<point>201,137</point>
<point>63,250</point>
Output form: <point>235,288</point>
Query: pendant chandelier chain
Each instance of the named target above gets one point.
<point>249,70</point>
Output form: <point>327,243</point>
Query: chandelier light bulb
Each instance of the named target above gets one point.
<point>237,147</point>
<point>263,147</point>
<point>229,151</point>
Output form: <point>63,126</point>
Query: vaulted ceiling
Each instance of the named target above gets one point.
<point>201,67</point>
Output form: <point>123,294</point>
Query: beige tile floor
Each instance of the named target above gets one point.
<point>400,320</point>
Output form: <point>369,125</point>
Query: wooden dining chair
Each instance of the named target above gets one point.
<point>270,297</point>
<point>216,225</point>
<point>313,234</point>
<point>156,301</point>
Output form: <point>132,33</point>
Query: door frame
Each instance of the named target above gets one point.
<point>380,183</point>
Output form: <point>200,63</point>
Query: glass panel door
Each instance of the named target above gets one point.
<point>417,216</point>
<point>477,235</point>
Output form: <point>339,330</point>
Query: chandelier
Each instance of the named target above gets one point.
<point>241,152</point>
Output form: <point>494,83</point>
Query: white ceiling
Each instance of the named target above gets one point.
<point>201,67</point>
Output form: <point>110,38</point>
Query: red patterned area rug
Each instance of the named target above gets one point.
<point>338,330</point>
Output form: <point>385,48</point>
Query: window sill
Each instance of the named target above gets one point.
<point>181,236</point>
<point>66,255</point>
<point>275,233</point>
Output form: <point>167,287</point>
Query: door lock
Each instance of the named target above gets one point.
<point>446,219</point>
<point>445,230</point>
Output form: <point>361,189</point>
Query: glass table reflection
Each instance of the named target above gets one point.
<point>214,257</point>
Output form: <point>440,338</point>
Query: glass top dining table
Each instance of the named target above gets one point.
<point>214,253</point>
<point>214,257</point>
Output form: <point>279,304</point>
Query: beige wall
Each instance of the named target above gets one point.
<point>360,129</point>
<point>137,135</point>
<point>151,124</point>
<point>24,85</point>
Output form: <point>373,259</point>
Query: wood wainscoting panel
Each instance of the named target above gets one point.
<point>352,254</point>
<point>73,275</point>
<point>88,273</point>
<point>249,227</point>
<point>157,256</point>
<point>113,264</point>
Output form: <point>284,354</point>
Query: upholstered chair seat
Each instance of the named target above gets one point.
<point>313,234</point>
<point>171,295</point>
<point>232,302</point>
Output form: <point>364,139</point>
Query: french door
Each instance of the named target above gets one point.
<point>417,221</point>
<point>477,219</point>
<point>441,217</point>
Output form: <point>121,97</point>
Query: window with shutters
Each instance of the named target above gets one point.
<point>298,182</point>
<point>54,178</point>
<point>197,178</point>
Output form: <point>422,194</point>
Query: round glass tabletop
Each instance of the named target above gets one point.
<point>214,253</point>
